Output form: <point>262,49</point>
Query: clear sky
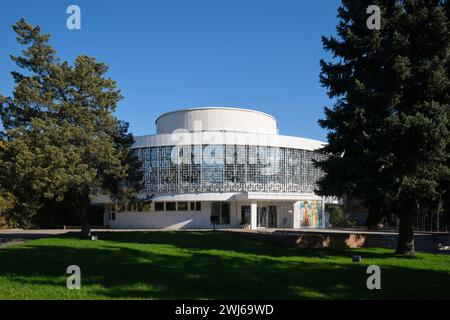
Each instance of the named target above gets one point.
<point>172,54</point>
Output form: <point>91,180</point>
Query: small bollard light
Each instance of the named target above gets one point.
<point>94,237</point>
<point>356,259</point>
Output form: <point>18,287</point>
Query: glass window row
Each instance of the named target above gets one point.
<point>228,168</point>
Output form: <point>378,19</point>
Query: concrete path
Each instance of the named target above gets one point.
<point>10,237</point>
<point>331,230</point>
<point>13,236</point>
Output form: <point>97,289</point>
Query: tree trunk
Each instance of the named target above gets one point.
<point>85,227</point>
<point>405,244</point>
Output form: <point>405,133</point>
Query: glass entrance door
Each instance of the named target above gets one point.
<point>272,217</point>
<point>245,215</point>
<point>262,216</point>
<point>267,217</point>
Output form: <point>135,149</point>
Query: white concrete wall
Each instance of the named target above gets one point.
<point>235,214</point>
<point>216,119</point>
<point>170,219</point>
<point>219,137</point>
<point>201,219</point>
<point>285,210</point>
<point>164,219</point>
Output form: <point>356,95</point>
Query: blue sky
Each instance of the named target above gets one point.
<point>168,54</point>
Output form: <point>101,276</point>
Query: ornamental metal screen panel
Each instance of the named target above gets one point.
<point>228,168</point>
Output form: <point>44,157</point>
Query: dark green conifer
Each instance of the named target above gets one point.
<point>388,130</point>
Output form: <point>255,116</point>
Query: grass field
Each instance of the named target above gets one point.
<point>210,265</point>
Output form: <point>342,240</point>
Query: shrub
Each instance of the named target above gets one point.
<point>340,218</point>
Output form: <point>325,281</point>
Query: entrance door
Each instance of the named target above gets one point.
<point>262,216</point>
<point>267,217</point>
<point>220,213</point>
<point>245,215</point>
<point>272,217</point>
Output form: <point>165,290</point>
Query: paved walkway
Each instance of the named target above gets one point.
<point>327,231</point>
<point>13,236</point>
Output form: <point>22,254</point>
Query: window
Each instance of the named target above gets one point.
<point>220,213</point>
<point>226,168</point>
<point>245,215</point>
<point>198,206</point>
<point>215,212</point>
<point>159,206</point>
<point>225,213</point>
<point>182,206</point>
<point>171,206</point>
<point>192,206</point>
<point>112,212</point>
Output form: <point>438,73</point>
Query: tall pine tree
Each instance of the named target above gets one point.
<point>62,141</point>
<point>388,130</point>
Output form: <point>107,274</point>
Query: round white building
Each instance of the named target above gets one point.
<point>223,166</point>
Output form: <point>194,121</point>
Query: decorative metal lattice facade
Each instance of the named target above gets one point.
<point>228,168</point>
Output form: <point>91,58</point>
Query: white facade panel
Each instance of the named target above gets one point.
<point>233,138</point>
<point>173,220</point>
<point>233,196</point>
<point>216,119</point>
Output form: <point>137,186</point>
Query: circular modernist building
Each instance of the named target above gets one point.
<point>226,167</point>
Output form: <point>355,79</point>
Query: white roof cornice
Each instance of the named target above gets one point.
<point>227,138</point>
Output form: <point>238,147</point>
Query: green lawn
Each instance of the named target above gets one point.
<point>210,265</point>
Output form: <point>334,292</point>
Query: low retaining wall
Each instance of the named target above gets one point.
<point>323,240</point>
<point>79,227</point>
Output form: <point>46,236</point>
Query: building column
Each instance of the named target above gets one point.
<point>324,216</point>
<point>253,216</point>
<point>296,215</point>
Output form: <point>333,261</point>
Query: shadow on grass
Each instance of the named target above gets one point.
<point>206,268</point>
<point>222,240</point>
